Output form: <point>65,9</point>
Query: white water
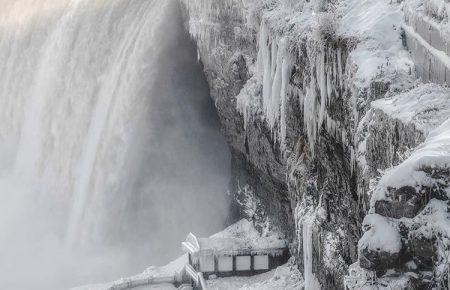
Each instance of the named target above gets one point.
<point>109,152</point>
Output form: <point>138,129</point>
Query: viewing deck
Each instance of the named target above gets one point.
<point>227,257</point>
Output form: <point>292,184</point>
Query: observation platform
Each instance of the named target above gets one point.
<point>227,257</point>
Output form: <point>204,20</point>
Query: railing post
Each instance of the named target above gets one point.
<point>216,264</point>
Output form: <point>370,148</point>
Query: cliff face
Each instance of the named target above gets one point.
<point>295,84</point>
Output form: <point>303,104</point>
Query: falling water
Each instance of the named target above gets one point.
<point>110,150</point>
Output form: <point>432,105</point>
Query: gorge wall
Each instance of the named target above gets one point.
<point>335,142</point>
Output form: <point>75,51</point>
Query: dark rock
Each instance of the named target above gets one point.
<point>379,260</point>
<point>423,250</point>
<point>404,202</point>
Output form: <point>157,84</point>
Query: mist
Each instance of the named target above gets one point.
<point>110,146</point>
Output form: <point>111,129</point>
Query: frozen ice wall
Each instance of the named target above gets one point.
<point>110,149</point>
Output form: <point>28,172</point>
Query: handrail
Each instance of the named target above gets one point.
<point>202,281</point>
<point>192,273</point>
<point>197,277</point>
<point>191,244</point>
<point>133,283</point>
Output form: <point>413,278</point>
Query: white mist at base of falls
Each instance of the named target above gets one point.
<point>110,150</point>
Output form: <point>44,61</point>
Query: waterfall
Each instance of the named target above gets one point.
<point>107,136</point>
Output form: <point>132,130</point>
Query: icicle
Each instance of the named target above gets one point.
<point>272,105</point>
<point>311,282</point>
<point>285,76</point>
<point>273,72</point>
<point>321,81</point>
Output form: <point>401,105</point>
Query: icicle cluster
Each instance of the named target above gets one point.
<point>308,219</point>
<point>274,66</point>
<point>326,73</point>
<point>275,63</point>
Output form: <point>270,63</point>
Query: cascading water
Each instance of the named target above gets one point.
<point>110,150</point>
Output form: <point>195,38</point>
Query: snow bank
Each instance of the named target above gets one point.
<point>434,219</point>
<point>376,25</point>
<point>242,235</point>
<point>426,106</point>
<point>382,235</point>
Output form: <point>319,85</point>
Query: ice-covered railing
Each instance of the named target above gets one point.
<point>437,9</point>
<point>428,38</point>
<point>139,282</point>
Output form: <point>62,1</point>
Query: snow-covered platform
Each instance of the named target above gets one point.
<point>219,256</point>
<point>268,252</point>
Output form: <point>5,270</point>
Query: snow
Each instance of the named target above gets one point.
<point>170,270</point>
<point>440,55</point>
<point>382,235</point>
<point>435,10</point>
<point>242,229</point>
<point>242,235</point>
<point>376,23</point>
<point>434,219</point>
<point>426,106</point>
<point>433,153</point>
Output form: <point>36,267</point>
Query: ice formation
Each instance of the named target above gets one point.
<point>337,85</point>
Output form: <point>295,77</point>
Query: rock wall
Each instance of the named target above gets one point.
<point>294,96</point>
